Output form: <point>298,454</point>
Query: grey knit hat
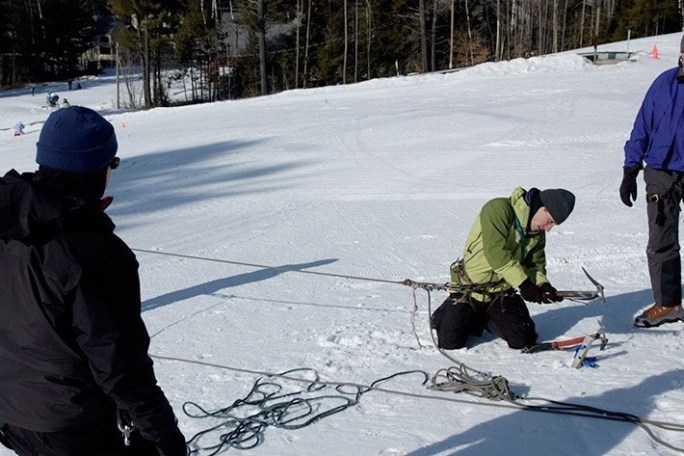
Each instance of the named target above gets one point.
<point>558,202</point>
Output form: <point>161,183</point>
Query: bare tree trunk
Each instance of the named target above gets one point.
<point>470,34</point>
<point>299,25</point>
<point>497,47</point>
<point>118,66</point>
<point>423,34</point>
<point>513,29</point>
<point>369,32</point>
<point>346,46</point>
<point>356,41</point>
<point>433,50</point>
<point>555,26</point>
<point>565,19</point>
<point>306,46</point>
<point>540,22</point>
<point>451,36</point>
<point>261,20</point>
<point>581,31</point>
<point>146,68</point>
<point>598,22</point>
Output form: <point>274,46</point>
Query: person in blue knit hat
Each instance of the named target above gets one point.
<point>75,374</point>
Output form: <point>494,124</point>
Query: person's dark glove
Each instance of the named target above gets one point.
<point>530,292</point>
<point>628,187</point>
<point>550,294</point>
<point>173,445</point>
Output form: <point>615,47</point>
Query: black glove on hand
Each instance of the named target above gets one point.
<point>628,187</point>
<point>530,292</point>
<point>550,294</point>
<point>173,445</point>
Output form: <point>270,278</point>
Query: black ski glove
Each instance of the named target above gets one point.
<point>530,292</point>
<point>628,187</point>
<point>550,294</point>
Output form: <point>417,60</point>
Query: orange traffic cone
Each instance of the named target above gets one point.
<point>654,51</point>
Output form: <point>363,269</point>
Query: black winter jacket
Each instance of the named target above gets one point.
<point>72,342</point>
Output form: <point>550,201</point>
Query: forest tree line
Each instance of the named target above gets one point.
<point>240,48</point>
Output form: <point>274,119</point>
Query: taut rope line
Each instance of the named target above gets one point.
<point>458,378</point>
<point>559,408</point>
<point>264,266</point>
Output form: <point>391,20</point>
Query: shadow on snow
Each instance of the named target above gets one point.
<point>173,178</point>
<point>542,434</point>
<point>215,285</point>
<point>616,315</point>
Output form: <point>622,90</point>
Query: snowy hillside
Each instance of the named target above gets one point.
<point>370,184</point>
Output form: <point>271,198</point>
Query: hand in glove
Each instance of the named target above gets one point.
<point>530,292</point>
<point>628,187</point>
<point>550,294</point>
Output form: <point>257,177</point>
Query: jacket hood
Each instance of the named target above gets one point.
<point>519,201</point>
<point>34,209</point>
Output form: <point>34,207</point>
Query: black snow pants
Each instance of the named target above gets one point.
<point>506,316</point>
<point>664,191</point>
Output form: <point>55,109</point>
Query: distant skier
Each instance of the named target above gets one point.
<point>19,129</point>
<point>52,99</point>
<point>504,251</point>
<point>657,139</point>
<point>65,103</point>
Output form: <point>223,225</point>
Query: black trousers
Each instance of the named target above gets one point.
<point>506,316</point>
<point>664,191</point>
<point>98,439</point>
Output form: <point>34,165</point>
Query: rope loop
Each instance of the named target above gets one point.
<point>461,378</point>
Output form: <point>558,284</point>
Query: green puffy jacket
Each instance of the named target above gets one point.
<point>500,253</point>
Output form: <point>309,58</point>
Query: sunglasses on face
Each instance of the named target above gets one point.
<point>114,163</point>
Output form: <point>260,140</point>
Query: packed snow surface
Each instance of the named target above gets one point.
<point>320,202</point>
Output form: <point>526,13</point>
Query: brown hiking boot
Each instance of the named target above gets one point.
<point>656,315</point>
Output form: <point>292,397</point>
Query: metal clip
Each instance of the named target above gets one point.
<point>125,425</point>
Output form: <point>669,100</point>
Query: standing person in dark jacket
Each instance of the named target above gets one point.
<point>657,139</point>
<point>73,346</point>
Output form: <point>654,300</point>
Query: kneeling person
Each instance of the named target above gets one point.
<point>504,252</point>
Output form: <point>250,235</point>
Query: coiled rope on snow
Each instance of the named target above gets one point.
<point>246,431</point>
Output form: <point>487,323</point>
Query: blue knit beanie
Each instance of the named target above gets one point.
<point>76,140</point>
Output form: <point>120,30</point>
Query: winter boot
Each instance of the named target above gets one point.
<point>656,315</point>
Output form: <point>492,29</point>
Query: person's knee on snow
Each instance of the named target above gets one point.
<point>454,321</point>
